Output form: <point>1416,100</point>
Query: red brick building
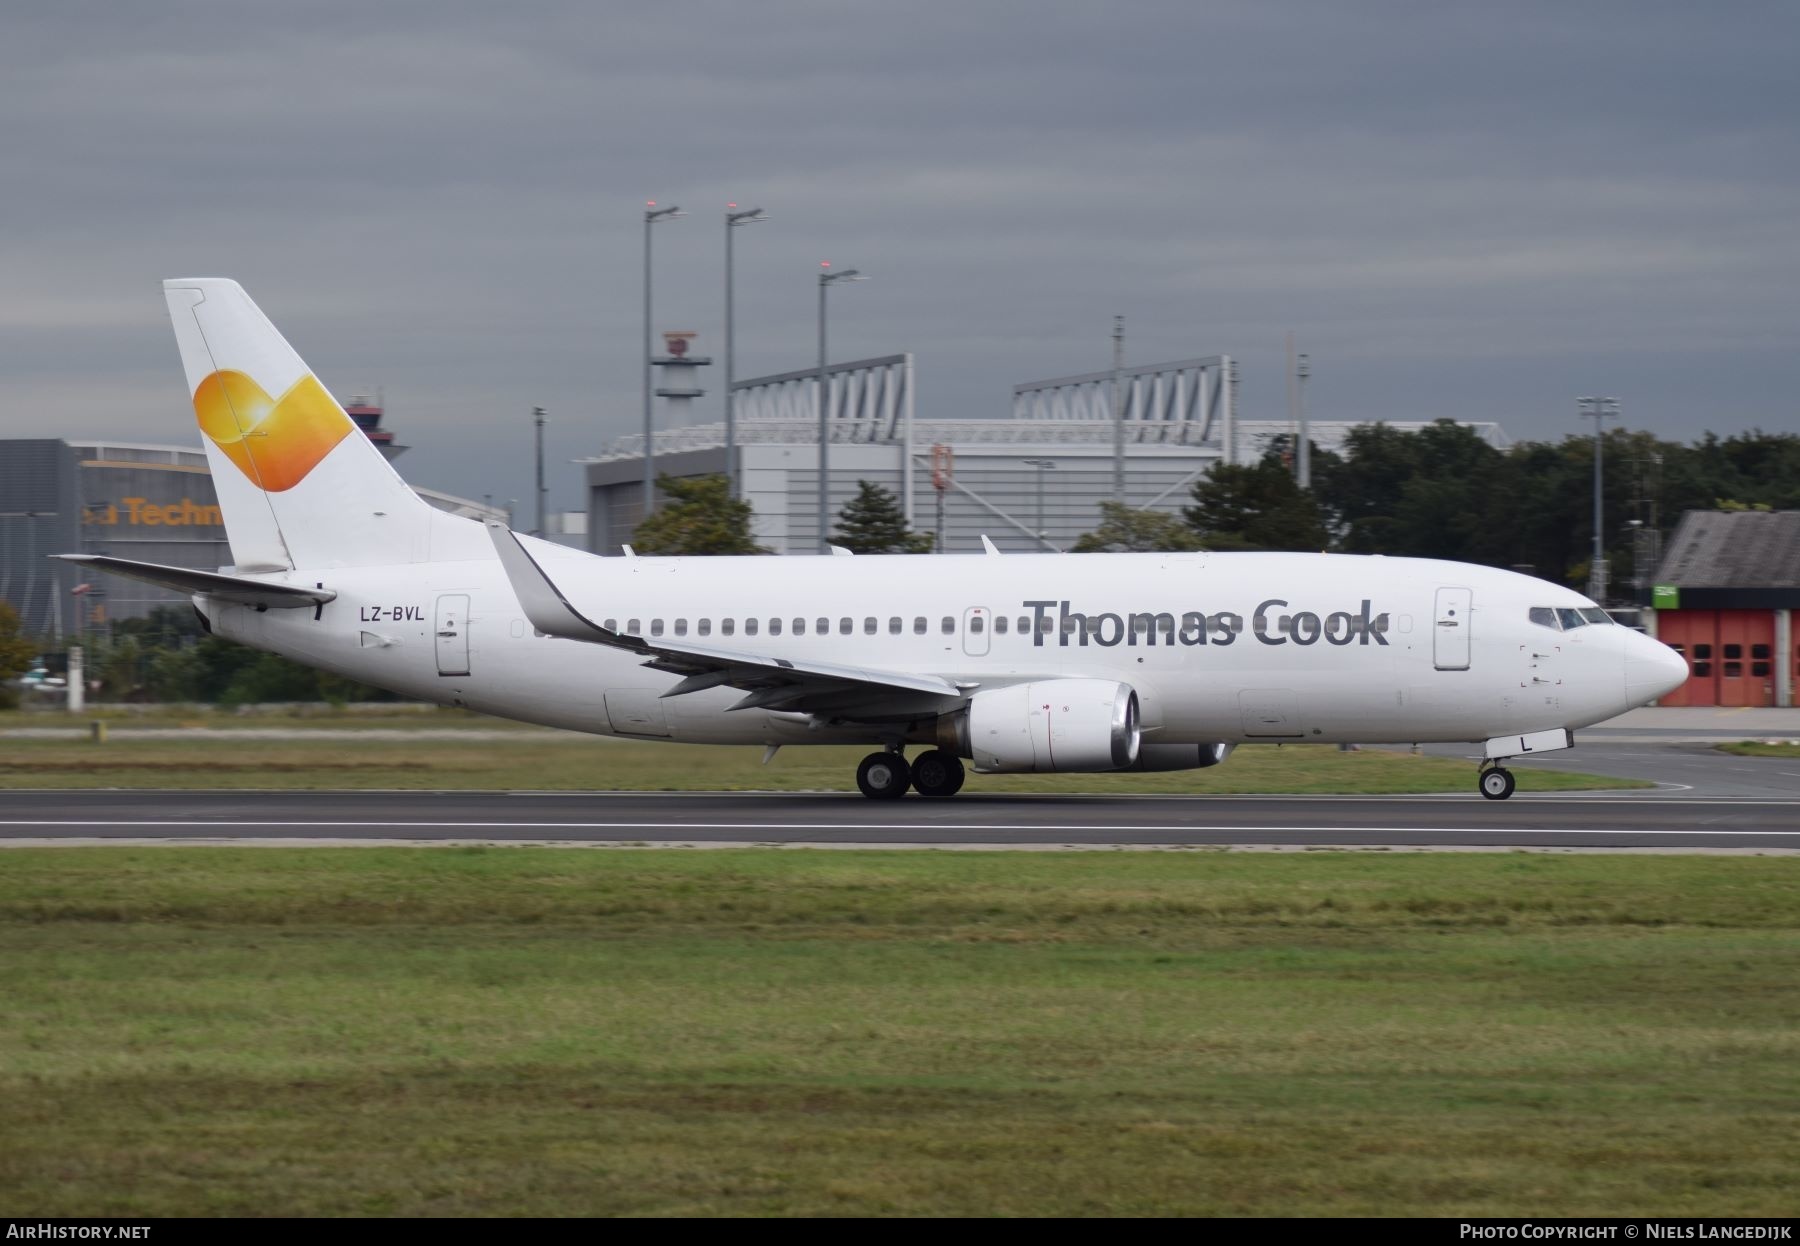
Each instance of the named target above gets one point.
<point>1725,597</point>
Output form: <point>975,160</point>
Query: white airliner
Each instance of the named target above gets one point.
<point>1030,662</point>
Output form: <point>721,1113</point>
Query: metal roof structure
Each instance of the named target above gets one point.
<point>1734,549</point>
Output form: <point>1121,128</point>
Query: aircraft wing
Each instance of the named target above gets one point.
<point>236,588</point>
<point>825,689</point>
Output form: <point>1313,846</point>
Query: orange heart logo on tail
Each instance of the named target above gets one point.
<point>274,442</point>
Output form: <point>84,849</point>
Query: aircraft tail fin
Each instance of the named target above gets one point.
<point>298,483</point>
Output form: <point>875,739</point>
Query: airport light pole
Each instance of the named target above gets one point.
<point>1599,410</point>
<point>537,417</point>
<point>652,214</point>
<point>1303,451</point>
<point>826,279</point>
<point>1118,412</point>
<point>733,218</point>
<point>1042,465</point>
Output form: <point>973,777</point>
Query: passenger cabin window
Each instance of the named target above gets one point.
<point>774,627</point>
<point>894,626</point>
<point>656,627</point>
<point>919,625</point>
<point>705,627</point>
<point>869,625</point>
<point>846,626</point>
<point>635,628</point>
<point>977,623</point>
<point>727,627</point>
<point>799,627</point>
<point>681,627</point>
<point>611,625</point>
<point>1000,624</point>
<point>949,625</point>
<point>749,627</point>
<point>822,627</point>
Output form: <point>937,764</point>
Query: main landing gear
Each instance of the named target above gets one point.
<point>1496,782</point>
<point>886,776</point>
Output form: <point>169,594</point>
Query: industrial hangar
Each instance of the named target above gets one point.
<point>1033,480</point>
<point>153,503</point>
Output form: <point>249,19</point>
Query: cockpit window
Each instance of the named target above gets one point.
<point>1544,616</point>
<point>1594,614</point>
<point>1570,618</point>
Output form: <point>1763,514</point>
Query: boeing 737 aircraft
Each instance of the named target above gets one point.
<point>1029,662</point>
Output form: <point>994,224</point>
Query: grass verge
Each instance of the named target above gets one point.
<point>1762,748</point>
<point>563,762</point>
<point>545,1032</point>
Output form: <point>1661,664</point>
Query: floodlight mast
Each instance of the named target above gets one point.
<point>1042,466</point>
<point>827,279</point>
<point>1599,410</point>
<point>733,218</point>
<point>652,214</point>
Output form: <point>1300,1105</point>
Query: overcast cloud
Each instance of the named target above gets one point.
<point>1479,210</point>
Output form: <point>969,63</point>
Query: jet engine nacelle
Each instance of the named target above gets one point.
<point>1181,756</point>
<point>1052,725</point>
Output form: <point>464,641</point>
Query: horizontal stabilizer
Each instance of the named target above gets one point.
<point>234,588</point>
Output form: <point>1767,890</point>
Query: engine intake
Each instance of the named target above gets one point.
<point>1062,725</point>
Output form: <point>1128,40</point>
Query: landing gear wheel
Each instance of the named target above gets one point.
<point>937,773</point>
<point>1497,783</point>
<point>884,776</point>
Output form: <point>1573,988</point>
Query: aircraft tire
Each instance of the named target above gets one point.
<point>1497,783</point>
<point>937,774</point>
<point>884,776</point>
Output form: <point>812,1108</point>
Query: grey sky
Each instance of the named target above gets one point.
<point>1479,210</point>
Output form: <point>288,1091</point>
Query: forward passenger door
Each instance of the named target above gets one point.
<point>1450,630</point>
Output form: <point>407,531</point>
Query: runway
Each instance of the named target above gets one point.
<point>1660,821</point>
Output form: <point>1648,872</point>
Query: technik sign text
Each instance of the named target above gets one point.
<point>1338,627</point>
<point>143,512</point>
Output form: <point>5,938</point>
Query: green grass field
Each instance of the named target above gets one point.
<point>561,761</point>
<point>1761,748</point>
<point>541,1031</point>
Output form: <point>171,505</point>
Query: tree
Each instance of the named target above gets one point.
<point>1256,507</point>
<point>699,517</point>
<point>1132,530</point>
<point>16,650</point>
<point>873,523</point>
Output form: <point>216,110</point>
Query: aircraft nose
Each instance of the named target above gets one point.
<point>1652,669</point>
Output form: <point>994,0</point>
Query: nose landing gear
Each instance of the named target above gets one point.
<point>1496,782</point>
